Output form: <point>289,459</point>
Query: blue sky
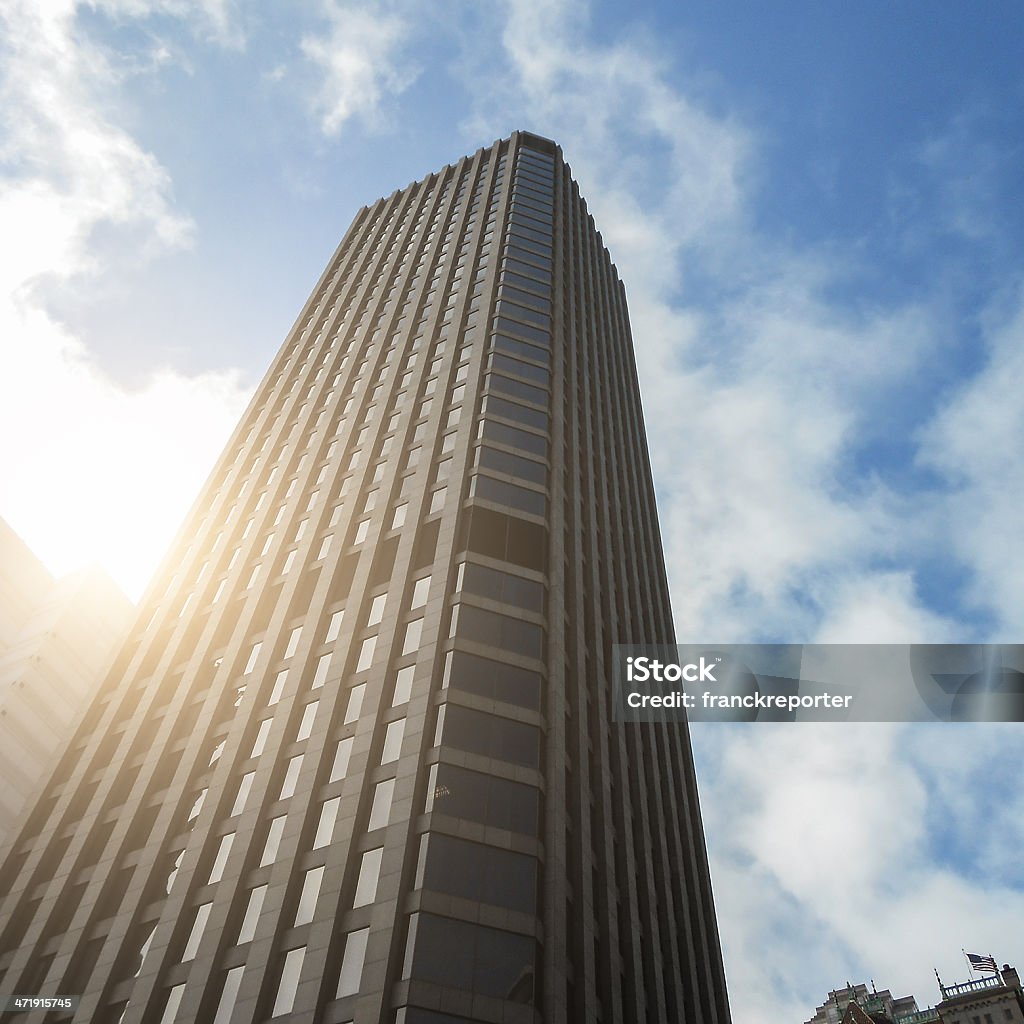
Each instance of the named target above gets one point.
<point>816,210</point>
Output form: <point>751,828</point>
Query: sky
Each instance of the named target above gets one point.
<point>815,208</point>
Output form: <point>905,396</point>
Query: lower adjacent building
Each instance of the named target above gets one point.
<point>57,638</point>
<point>997,999</point>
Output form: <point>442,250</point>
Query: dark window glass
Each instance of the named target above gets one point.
<point>512,465</point>
<point>516,388</point>
<point>509,495</point>
<point>505,537</point>
<point>518,280</point>
<point>481,873</point>
<point>539,240</point>
<point>533,182</point>
<point>496,630</point>
<point>521,330</point>
<point>537,155</point>
<point>530,257</point>
<point>528,170</point>
<point>501,586</point>
<point>523,313</point>
<point>521,348</point>
<point>513,437</point>
<point>471,673</point>
<point>520,217</point>
<point>528,190</point>
<point>485,799</point>
<point>494,406</point>
<point>525,269</point>
<point>473,958</point>
<point>416,1015</point>
<point>525,298</point>
<point>507,364</point>
<point>528,198</point>
<point>490,736</point>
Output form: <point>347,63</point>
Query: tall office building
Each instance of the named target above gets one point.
<point>356,761</point>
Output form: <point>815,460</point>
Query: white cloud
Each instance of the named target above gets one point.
<point>361,62</point>
<point>833,852</point>
<point>92,471</point>
<point>975,441</point>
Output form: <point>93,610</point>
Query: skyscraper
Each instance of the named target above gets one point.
<point>356,760</point>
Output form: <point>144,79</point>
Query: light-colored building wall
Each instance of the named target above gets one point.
<point>56,639</point>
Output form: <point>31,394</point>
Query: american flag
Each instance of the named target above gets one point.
<point>982,963</point>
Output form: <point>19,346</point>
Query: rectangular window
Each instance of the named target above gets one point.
<point>380,809</point>
<point>274,834</point>
<point>498,630</point>
<point>279,683</point>
<point>308,718</point>
<point>365,660</point>
<point>521,349</point>
<point>510,364</point>
<point>253,656</point>
<point>490,736</point>
<point>376,609</point>
<point>172,1004</point>
<point>531,316</point>
<point>420,590</point>
<point>291,777</point>
<point>501,433</point>
<point>512,465</point>
<point>334,627</point>
<point>289,983</point>
<point>413,632</point>
<point>323,666</point>
<point>342,753</point>
<point>355,703</point>
<point>544,262</point>
<point>261,737</point>
<point>243,794</point>
<point>196,935</point>
<point>293,642</point>
<point>508,495</point>
<point>474,958</point>
<point>228,995</point>
<point>325,826</point>
<point>252,914</point>
<point>369,876</point>
<point>308,896</point>
<point>219,862</point>
<point>501,586</point>
<point>352,962</point>
<point>485,799</point>
<point>496,383</point>
<point>521,330</point>
<point>403,685</point>
<point>472,871</point>
<point>494,406</point>
<point>393,741</point>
